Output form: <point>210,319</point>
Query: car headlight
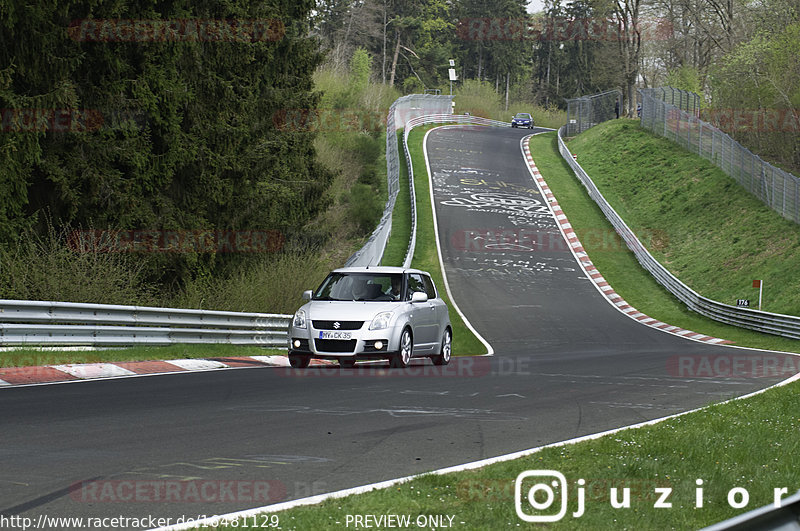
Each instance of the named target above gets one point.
<point>381,321</point>
<point>299,320</point>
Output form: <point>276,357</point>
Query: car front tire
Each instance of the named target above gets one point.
<point>443,358</point>
<point>298,361</point>
<point>403,357</point>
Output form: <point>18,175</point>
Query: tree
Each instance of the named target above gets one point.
<point>158,133</point>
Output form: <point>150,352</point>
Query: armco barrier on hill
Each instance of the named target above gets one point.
<point>771,323</point>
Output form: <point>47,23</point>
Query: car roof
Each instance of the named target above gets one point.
<point>523,114</point>
<point>377,269</point>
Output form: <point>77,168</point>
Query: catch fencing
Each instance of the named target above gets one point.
<point>778,189</point>
<point>771,323</point>
<point>69,323</point>
<point>587,111</point>
<point>682,99</point>
<point>402,110</point>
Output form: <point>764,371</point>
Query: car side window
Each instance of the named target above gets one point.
<point>415,283</point>
<point>429,289</point>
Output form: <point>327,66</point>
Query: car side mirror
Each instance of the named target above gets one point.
<point>307,294</point>
<point>419,296</point>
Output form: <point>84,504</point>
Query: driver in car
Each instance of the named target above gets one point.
<point>394,289</point>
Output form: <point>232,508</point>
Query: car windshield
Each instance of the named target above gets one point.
<point>522,116</point>
<point>360,287</point>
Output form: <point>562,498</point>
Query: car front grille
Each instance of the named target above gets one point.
<point>334,345</point>
<point>343,325</point>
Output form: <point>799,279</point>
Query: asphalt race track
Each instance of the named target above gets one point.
<point>567,364</point>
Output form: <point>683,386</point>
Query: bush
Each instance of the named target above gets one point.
<point>49,268</point>
<point>365,207</point>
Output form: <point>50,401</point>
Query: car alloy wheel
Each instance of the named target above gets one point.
<point>443,358</point>
<point>298,361</point>
<point>403,358</point>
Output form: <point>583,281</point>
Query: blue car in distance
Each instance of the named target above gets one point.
<point>522,119</point>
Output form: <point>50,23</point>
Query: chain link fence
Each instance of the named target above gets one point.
<point>587,111</point>
<point>778,189</point>
<point>682,99</point>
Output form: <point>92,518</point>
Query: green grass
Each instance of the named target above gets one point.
<point>426,256</point>
<point>707,229</point>
<point>715,445</point>
<point>397,245</point>
<point>618,264</point>
<point>36,356</point>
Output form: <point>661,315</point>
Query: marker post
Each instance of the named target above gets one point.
<point>760,285</point>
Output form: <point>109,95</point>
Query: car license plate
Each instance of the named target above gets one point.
<point>334,335</point>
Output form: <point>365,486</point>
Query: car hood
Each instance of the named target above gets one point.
<point>348,310</point>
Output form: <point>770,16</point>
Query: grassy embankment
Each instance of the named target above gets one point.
<point>699,223</point>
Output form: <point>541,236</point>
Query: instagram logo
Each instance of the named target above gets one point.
<point>541,495</point>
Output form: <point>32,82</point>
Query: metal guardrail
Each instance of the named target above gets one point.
<point>761,321</point>
<point>412,105</point>
<point>69,323</point>
<point>783,518</point>
<point>432,119</point>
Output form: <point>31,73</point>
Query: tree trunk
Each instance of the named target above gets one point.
<point>383,60</point>
<point>508,75</point>
<point>394,60</point>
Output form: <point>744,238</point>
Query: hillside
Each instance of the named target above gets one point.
<point>707,230</point>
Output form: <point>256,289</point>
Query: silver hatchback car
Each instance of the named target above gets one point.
<point>372,313</point>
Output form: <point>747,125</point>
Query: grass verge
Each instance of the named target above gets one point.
<point>701,224</point>
<point>31,357</point>
<point>618,264</point>
<point>397,245</point>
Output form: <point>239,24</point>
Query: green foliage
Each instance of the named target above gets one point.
<point>413,85</point>
<point>758,77</point>
<point>278,280</point>
<point>362,207</point>
<point>477,98</point>
<point>359,70</point>
<point>188,134</point>
<point>686,78</point>
<point>47,267</point>
<point>480,99</point>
